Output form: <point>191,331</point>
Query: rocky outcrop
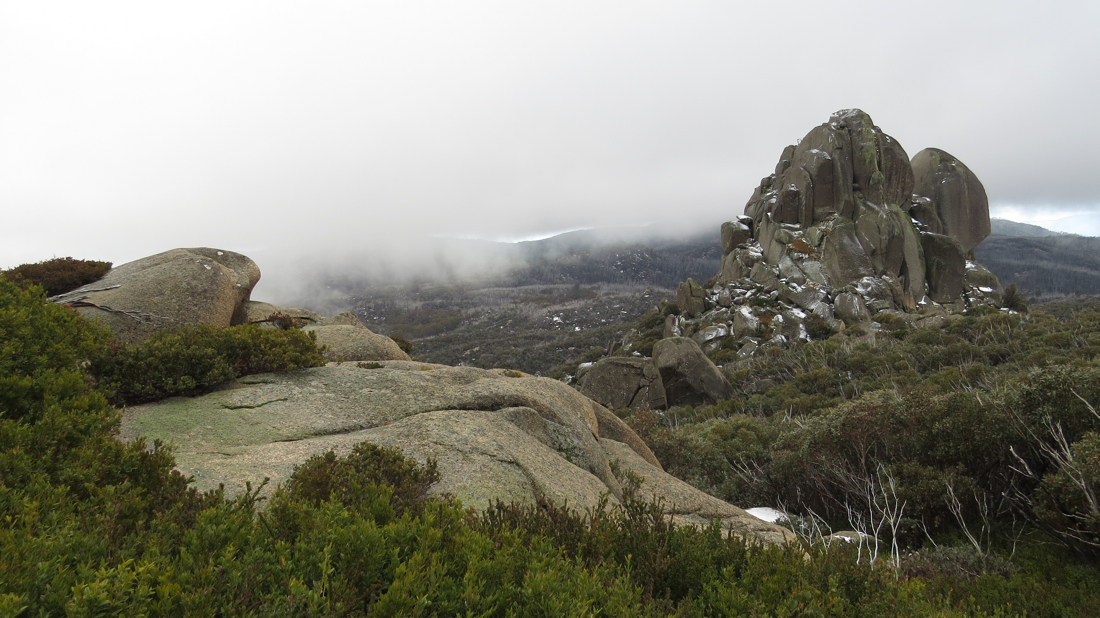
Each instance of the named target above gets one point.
<point>688,376</point>
<point>346,342</point>
<point>956,203</point>
<point>343,336</point>
<point>212,286</point>
<point>496,435</point>
<point>181,286</point>
<point>846,227</point>
<point>691,298</point>
<point>623,382</point>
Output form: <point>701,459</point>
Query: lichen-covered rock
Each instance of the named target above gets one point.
<point>257,312</point>
<point>957,197</point>
<point>687,375</point>
<point>623,382</point>
<point>494,436</point>
<point>850,308</point>
<point>691,298</point>
<point>736,233</point>
<point>173,288</point>
<point>946,261</point>
<point>345,342</point>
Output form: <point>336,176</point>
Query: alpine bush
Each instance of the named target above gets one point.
<point>193,359</point>
<point>59,275</point>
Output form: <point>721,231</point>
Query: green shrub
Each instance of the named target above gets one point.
<point>889,321</point>
<point>1068,499</point>
<point>42,346</point>
<point>350,479</point>
<point>59,275</point>
<point>817,328</point>
<point>192,359</point>
<point>405,345</point>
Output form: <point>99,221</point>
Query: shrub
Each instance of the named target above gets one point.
<point>405,345</point>
<point>42,346</point>
<point>817,328</point>
<point>355,480</point>
<point>192,359</point>
<point>283,321</point>
<point>59,275</point>
<point>1068,499</point>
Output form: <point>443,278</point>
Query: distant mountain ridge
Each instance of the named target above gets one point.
<point>1004,227</point>
<point>1044,266</point>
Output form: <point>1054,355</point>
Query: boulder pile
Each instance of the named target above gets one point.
<point>845,229</point>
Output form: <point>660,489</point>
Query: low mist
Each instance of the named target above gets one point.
<point>323,280</point>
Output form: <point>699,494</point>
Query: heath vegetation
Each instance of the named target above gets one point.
<point>94,526</point>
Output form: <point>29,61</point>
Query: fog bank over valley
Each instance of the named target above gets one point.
<point>349,140</point>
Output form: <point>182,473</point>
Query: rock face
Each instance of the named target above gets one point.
<point>688,376</point>
<point>495,434</point>
<point>844,228</point>
<point>624,382</point>
<point>181,286</point>
<point>344,336</point>
<point>691,298</point>
<point>851,184</point>
<point>957,205</point>
<point>345,342</point>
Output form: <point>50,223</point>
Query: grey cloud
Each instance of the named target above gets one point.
<point>351,129</point>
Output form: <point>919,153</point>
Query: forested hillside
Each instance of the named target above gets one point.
<point>1050,266</point>
<point>569,296</point>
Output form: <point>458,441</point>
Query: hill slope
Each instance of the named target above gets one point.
<point>1050,266</point>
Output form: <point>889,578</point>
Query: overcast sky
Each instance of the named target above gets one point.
<point>129,128</point>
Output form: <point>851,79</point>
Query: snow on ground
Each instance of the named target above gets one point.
<point>767,513</point>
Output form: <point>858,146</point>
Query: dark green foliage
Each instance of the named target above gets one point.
<point>93,526</point>
<point>348,479</point>
<point>1013,300</point>
<point>817,328</point>
<point>993,407</point>
<point>193,359</point>
<point>686,571</point>
<point>41,347</point>
<point>405,345</point>
<point>59,275</point>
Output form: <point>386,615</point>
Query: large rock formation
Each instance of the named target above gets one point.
<point>181,286</point>
<point>496,434</point>
<point>957,205</point>
<point>841,209</point>
<point>845,228</point>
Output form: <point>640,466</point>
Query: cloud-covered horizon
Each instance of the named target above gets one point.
<point>128,128</point>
